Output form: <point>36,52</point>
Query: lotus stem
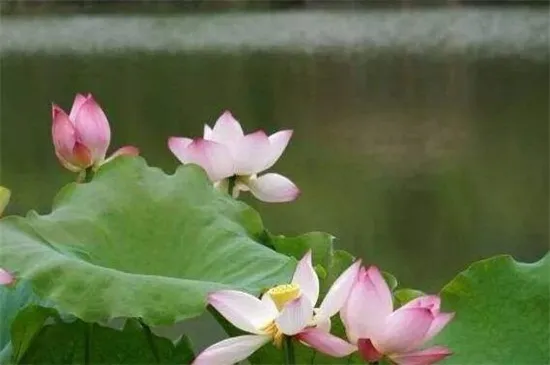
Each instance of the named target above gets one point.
<point>88,174</point>
<point>231,185</point>
<point>289,351</point>
<point>313,356</point>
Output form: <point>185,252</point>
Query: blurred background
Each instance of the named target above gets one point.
<point>421,127</point>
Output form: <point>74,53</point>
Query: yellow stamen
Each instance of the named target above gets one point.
<point>282,294</point>
<point>274,331</point>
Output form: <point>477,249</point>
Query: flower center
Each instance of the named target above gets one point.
<point>275,333</point>
<point>282,294</point>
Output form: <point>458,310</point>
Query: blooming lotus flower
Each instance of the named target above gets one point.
<point>285,310</point>
<point>4,198</point>
<point>6,278</point>
<point>377,331</point>
<point>229,156</point>
<point>81,138</point>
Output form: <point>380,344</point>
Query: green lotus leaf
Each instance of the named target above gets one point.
<point>26,326</point>
<point>320,244</point>
<point>136,242</point>
<point>13,299</point>
<point>84,343</point>
<point>501,311</point>
<point>405,295</point>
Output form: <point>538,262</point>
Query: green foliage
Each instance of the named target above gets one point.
<point>390,280</point>
<point>136,242</point>
<point>17,316</point>
<point>501,313</point>
<point>12,300</point>
<point>320,243</point>
<point>339,262</point>
<point>405,295</point>
<point>323,254</point>
<point>79,342</point>
<point>26,326</point>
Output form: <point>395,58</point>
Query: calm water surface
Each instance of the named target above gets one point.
<point>421,138</point>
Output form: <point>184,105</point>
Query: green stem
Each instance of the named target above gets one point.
<point>150,340</point>
<point>231,185</point>
<point>88,343</point>
<point>88,174</point>
<point>85,176</point>
<point>349,359</point>
<point>313,355</point>
<point>289,351</point>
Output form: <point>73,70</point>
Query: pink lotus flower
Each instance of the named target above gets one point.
<point>6,278</point>
<point>225,153</point>
<point>377,331</point>
<point>285,310</point>
<point>4,198</point>
<point>81,138</point>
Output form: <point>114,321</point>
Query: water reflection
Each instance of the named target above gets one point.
<point>417,157</point>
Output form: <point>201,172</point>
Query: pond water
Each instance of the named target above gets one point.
<point>421,137</point>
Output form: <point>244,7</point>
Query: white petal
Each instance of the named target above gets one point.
<point>278,142</point>
<point>295,316</point>
<point>243,310</point>
<point>252,154</point>
<point>339,291</point>
<point>207,132</point>
<point>241,185</point>
<point>230,351</point>
<point>273,188</point>
<point>306,277</point>
<point>213,157</point>
<point>178,145</point>
<point>270,304</point>
<point>323,323</point>
<point>227,130</point>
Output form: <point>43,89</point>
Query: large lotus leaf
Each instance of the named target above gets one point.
<point>12,300</point>
<point>501,313</point>
<point>25,327</point>
<point>79,342</point>
<point>136,242</point>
